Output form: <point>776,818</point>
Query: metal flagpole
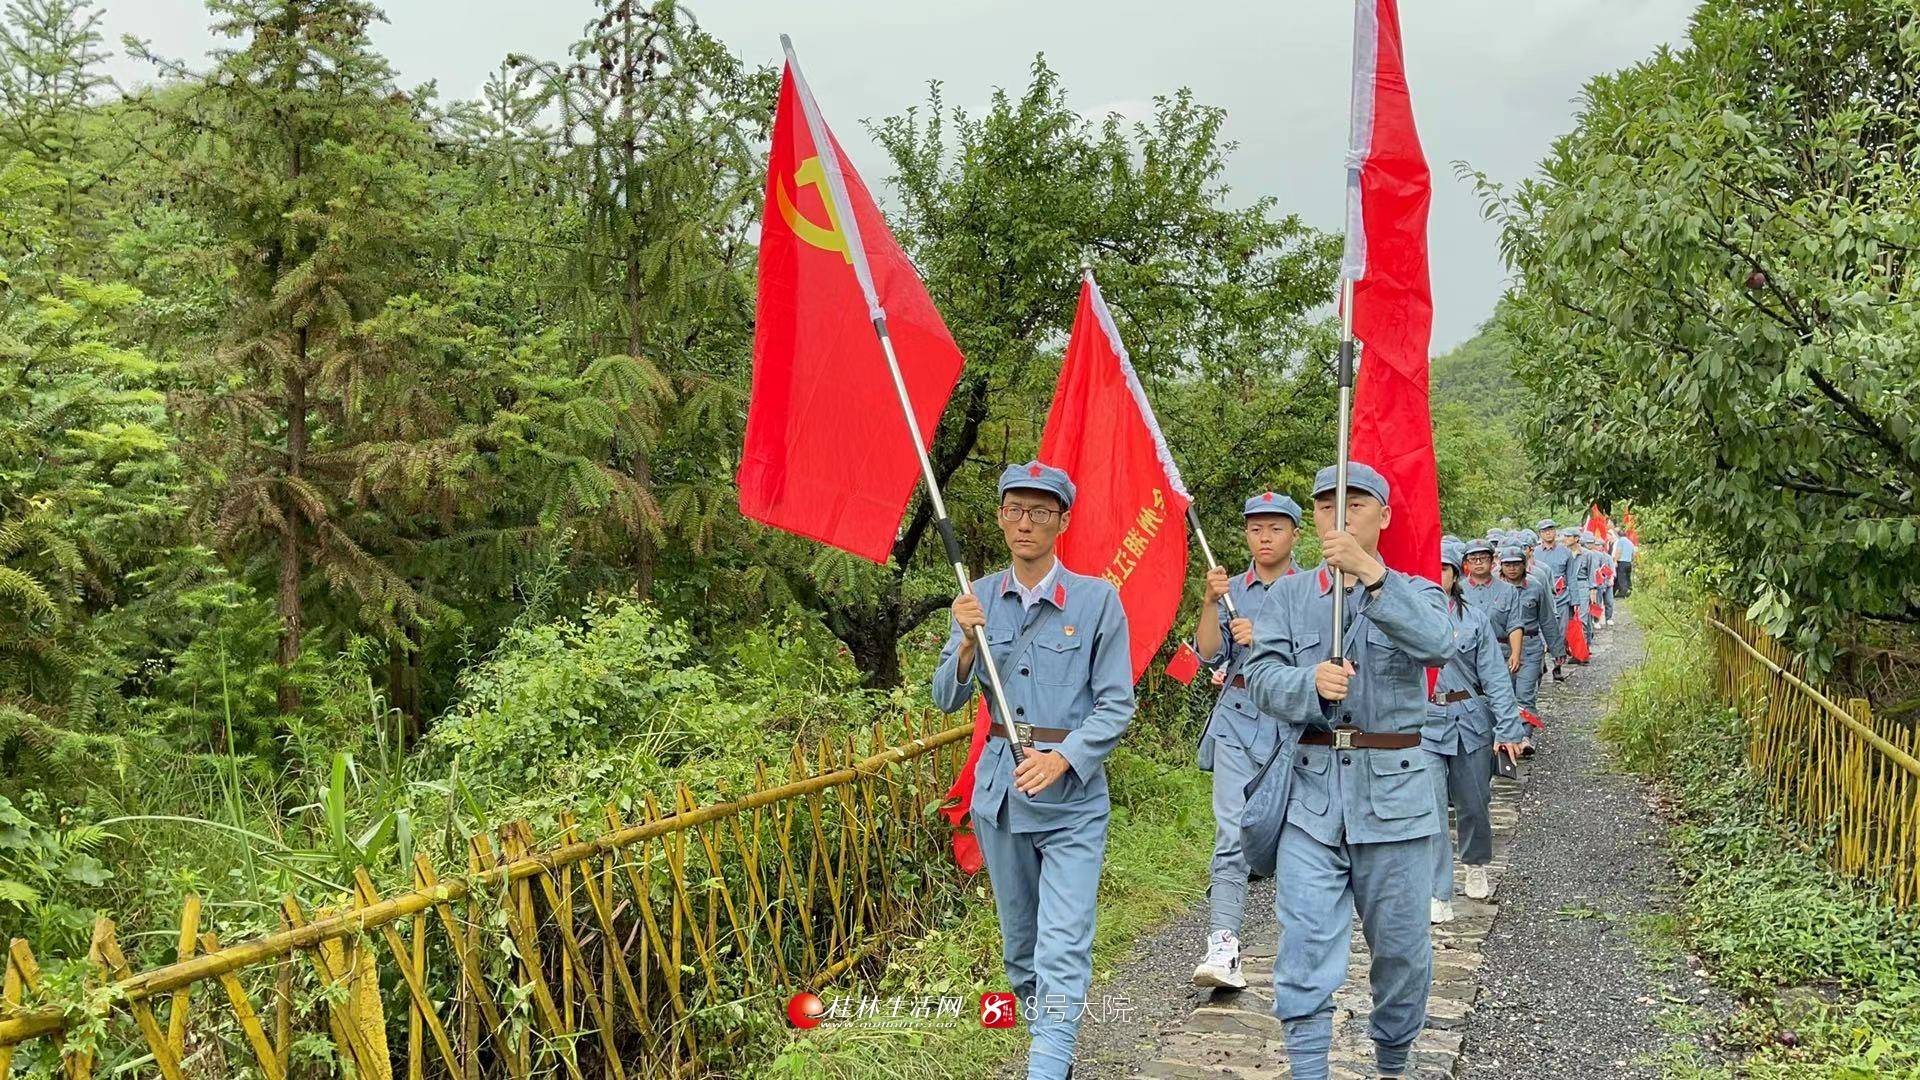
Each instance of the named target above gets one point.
<point>836,187</point>
<point>1340,462</point>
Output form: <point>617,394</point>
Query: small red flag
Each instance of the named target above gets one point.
<point>1577,639</point>
<point>828,454</point>
<point>1531,720</point>
<point>1389,188</point>
<point>1185,665</point>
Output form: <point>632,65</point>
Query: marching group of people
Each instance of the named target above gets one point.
<point>1333,771</point>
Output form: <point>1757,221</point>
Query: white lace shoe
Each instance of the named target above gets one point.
<point>1441,912</point>
<point>1478,887</point>
<point>1222,966</point>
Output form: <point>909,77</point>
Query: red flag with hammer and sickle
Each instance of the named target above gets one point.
<point>828,454</point>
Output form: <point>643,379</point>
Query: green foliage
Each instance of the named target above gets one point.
<point>1829,979</point>
<point>1716,303</point>
<point>43,871</point>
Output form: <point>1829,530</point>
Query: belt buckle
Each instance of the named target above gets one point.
<point>1343,738</point>
<point>1025,731</point>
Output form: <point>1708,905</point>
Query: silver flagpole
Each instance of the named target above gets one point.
<point>1341,454</point>
<point>836,188</point>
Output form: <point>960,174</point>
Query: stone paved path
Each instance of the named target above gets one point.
<point>1180,1032</point>
<point>1235,1036</point>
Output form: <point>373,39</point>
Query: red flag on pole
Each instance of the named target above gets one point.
<point>1130,509</point>
<point>1388,191</point>
<point>827,452</point>
<point>1130,513</point>
<point>1185,665</point>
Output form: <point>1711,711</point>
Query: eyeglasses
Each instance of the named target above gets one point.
<point>1039,515</point>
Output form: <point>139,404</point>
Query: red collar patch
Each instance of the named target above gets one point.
<point>1059,594</point>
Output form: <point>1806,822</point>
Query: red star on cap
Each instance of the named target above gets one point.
<point>1033,470</point>
<point>1268,497</point>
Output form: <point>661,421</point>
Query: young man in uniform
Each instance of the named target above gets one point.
<point>1579,581</point>
<point>1604,572</point>
<point>1239,739</point>
<point>1552,559</point>
<point>1494,598</point>
<point>1533,618</point>
<point>1060,641</point>
<point>1360,817</point>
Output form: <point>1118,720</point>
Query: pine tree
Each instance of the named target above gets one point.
<point>317,428</point>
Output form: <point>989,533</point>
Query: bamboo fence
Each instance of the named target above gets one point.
<point>1826,767</point>
<point>649,949</point>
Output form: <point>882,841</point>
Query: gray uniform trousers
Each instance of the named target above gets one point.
<point>1526,681</point>
<point>1467,783</point>
<point>1046,944</point>
<point>1318,887</point>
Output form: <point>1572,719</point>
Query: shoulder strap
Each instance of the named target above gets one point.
<point>1024,639</point>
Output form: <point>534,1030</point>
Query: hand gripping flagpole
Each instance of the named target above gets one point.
<point>1341,454</point>
<point>1193,516</point>
<point>843,212</point>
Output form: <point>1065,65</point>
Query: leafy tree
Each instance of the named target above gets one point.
<point>659,161</point>
<point>322,439</point>
<point>1716,302</point>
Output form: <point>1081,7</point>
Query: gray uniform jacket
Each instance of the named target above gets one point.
<point>1478,667</point>
<point>1395,634</point>
<point>1496,600</point>
<point>1235,720</point>
<point>1074,673</point>
<point>1559,581</point>
<point>1534,612</point>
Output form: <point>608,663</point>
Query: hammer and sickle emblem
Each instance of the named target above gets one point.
<point>828,237</point>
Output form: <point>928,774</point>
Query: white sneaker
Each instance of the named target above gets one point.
<point>1478,887</point>
<point>1222,966</point>
<point>1441,912</point>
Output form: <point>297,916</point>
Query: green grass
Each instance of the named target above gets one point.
<point>1826,979</point>
<point>1158,847</point>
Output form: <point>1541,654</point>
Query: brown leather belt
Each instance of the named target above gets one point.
<point>1352,738</point>
<point>1451,696</point>
<point>1029,733</point>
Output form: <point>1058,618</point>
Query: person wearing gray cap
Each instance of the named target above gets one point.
<point>1553,560</point>
<point>1604,572</point>
<point>1533,616</point>
<point>1359,818</point>
<point>1493,597</point>
<point>1060,640</point>
<point>1239,738</point>
<point>1580,567</point>
<point>1470,712</point>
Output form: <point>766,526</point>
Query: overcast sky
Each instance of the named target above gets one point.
<point>1494,81</point>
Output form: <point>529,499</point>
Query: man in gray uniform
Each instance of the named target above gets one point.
<point>1533,617</point>
<point>1494,598</point>
<point>1360,817</point>
<point>1552,559</point>
<point>1060,641</point>
<point>1604,573</point>
<point>1239,739</point>
<point>1579,573</point>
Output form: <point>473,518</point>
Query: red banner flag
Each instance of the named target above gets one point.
<point>1388,191</point>
<point>1130,506</point>
<point>1130,511</point>
<point>1599,524</point>
<point>828,454</point>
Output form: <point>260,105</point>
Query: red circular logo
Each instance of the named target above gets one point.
<point>804,1010</point>
<point>1033,470</point>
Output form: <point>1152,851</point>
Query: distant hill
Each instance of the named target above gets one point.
<point>1478,376</point>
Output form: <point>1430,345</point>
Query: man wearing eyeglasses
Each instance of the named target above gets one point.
<point>1059,640</point>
